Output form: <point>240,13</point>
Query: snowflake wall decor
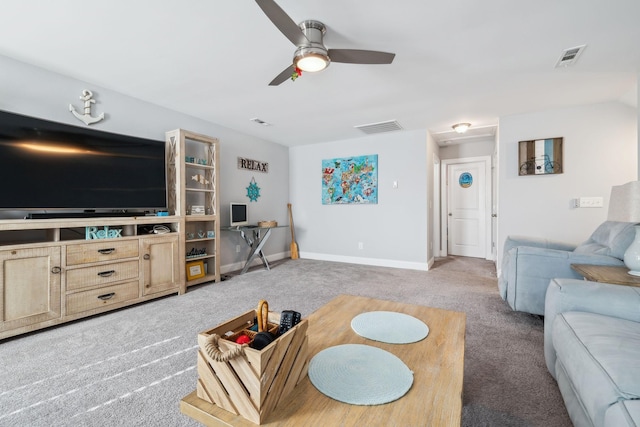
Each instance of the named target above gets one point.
<point>253,191</point>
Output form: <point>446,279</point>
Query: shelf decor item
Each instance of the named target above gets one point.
<point>105,232</point>
<point>195,270</point>
<point>196,210</point>
<point>540,157</point>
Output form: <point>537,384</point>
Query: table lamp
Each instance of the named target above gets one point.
<point>624,205</point>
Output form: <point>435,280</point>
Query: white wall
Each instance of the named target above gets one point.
<point>33,91</point>
<point>394,231</point>
<point>483,147</point>
<point>600,150</point>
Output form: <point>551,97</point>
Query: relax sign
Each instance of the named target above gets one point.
<point>92,233</point>
<point>253,165</point>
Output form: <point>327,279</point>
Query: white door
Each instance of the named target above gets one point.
<point>467,209</point>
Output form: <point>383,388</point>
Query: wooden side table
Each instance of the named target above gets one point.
<point>616,274</point>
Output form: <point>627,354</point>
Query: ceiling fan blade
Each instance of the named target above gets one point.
<point>283,22</point>
<point>283,76</point>
<point>355,56</point>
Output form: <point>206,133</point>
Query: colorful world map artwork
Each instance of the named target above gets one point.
<point>350,180</point>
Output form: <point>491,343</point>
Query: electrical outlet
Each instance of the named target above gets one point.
<point>237,248</point>
<point>360,245</point>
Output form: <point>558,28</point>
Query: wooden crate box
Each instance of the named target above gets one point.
<point>251,382</point>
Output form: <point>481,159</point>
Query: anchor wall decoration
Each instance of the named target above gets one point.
<point>87,118</point>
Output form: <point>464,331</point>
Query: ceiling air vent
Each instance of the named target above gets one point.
<point>260,122</point>
<point>570,56</point>
<point>380,127</point>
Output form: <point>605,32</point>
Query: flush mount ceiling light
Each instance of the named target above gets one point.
<point>461,127</point>
<point>312,56</point>
<point>311,59</point>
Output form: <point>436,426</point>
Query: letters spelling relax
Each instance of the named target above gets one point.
<point>94,233</point>
<point>253,165</point>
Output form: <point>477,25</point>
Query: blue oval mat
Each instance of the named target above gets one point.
<point>360,374</point>
<point>389,327</point>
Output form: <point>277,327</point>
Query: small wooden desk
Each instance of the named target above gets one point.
<point>437,362</point>
<point>615,274</point>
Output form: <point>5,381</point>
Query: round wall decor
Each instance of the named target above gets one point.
<point>465,180</point>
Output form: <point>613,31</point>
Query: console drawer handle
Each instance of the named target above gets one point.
<point>56,270</point>
<point>106,251</point>
<point>106,273</point>
<point>106,296</point>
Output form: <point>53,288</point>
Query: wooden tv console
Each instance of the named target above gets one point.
<point>50,273</point>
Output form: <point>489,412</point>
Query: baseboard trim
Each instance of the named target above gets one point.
<point>366,261</point>
<point>430,263</point>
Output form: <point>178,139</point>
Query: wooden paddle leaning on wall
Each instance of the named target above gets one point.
<point>294,245</point>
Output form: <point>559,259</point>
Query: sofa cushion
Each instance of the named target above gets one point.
<point>600,356</point>
<point>611,238</point>
<point>624,413</point>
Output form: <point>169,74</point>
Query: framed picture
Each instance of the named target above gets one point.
<point>350,180</point>
<point>195,270</point>
<point>540,157</point>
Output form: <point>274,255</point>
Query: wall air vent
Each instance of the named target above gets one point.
<point>380,127</point>
<point>570,56</point>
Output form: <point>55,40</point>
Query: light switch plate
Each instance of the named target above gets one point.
<point>590,202</point>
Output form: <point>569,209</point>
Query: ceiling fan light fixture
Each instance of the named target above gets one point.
<point>311,60</point>
<point>461,127</point>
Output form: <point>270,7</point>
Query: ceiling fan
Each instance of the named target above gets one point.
<point>311,54</point>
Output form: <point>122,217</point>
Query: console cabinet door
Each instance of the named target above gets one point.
<point>160,264</point>
<point>29,287</point>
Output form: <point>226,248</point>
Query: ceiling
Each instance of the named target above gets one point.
<point>456,61</point>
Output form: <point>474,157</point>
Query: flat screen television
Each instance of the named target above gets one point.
<point>46,166</point>
<point>239,214</point>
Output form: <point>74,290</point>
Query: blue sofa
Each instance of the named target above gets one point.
<point>528,264</point>
<point>592,349</point>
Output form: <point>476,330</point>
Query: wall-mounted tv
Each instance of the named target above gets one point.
<point>46,166</point>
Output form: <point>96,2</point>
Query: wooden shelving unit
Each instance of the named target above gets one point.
<point>192,175</point>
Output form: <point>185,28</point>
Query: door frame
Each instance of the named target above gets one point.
<point>444,197</point>
<point>436,241</point>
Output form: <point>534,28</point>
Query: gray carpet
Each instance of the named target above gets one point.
<point>131,367</point>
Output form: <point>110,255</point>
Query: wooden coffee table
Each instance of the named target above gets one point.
<point>435,399</point>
